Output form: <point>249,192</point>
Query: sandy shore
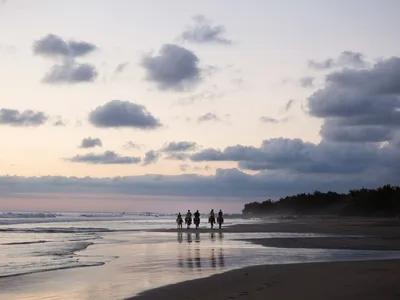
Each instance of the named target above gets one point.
<point>374,280</point>
<point>340,280</point>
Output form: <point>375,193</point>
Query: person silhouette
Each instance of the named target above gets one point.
<point>220,219</point>
<point>179,220</point>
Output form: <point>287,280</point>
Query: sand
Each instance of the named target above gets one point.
<point>375,280</point>
<point>339,280</point>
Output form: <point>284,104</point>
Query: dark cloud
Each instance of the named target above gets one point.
<point>307,82</point>
<point>174,68</point>
<point>13,117</point>
<point>345,59</point>
<point>204,32</point>
<point>131,145</point>
<point>224,183</point>
<point>208,117</point>
<point>106,158</point>
<point>266,119</point>
<point>295,155</point>
<point>91,143</point>
<point>360,105</point>
<point>180,146</point>
<point>117,113</point>
<point>151,157</point>
<point>70,73</point>
<point>121,67</point>
<point>54,46</point>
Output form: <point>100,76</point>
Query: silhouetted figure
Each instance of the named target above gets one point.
<point>220,218</point>
<point>211,218</point>
<point>179,220</point>
<point>196,219</point>
<point>188,219</point>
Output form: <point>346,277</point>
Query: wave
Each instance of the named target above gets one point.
<point>24,243</point>
<point>95,264</point>
<point>56,230</point>
<point>65,249</point>
<point>102,215</point>
<point>12,215</point>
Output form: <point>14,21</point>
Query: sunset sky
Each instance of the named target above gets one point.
<point>174,105</point>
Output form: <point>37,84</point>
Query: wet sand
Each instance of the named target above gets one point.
<point>337,280</point>
<point>374,280</point>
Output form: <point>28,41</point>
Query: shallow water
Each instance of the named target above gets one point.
<point>137,261</point>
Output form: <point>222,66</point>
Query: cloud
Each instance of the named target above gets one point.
<point>91,143</point>
<point>151,157</point>
<point>187,167</point>
<point>70,73</point>
<point>59,122</point>
<point>209,94</point>
<point>106,158</point>
<point>295,155</point>
<point>208,117</point>
<point>345,59</point>
<point>289,105</point>
<point>204,32</point>
<point>173,68</point>
<point>362,105</point>
<point>131,145</point>
<point>177,156</point>
<point>26,118</point>
<point>121,67</point>
<point>180,146</point>
<point>266,119</point>
<point>117,113</point>
<point>224,183</point>
<point>307,82</point>
<point>184,167</point>
<point>54,46</point>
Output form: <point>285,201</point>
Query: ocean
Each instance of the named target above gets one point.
<point>115,256</point>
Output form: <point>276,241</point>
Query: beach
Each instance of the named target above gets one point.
<point>314,281</point>
<point>101,257</point>
<point>373,279</point>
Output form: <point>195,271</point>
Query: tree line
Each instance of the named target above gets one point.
<point>383,201</point>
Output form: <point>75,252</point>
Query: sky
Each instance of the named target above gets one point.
<point>173,105</point>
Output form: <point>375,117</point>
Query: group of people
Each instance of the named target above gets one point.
<point>196,220</point>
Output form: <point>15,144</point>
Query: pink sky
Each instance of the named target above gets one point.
<point>117,203</point>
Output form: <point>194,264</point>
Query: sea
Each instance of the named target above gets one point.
<point>53,255</point>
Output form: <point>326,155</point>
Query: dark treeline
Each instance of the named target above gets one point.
<point>383,201</point>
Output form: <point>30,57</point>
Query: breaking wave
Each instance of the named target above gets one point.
<point>12,215</point>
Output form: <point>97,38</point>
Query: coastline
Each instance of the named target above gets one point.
<point>327,280</point>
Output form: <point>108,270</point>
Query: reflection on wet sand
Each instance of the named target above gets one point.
<point>191,257</point>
